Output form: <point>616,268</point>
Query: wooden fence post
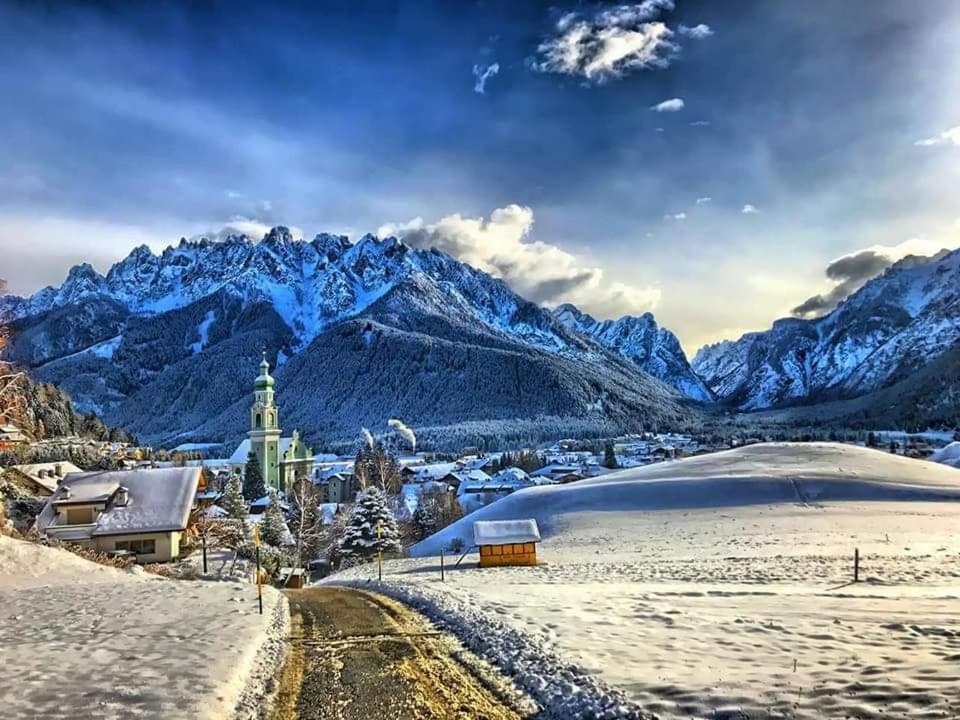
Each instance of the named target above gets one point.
<point>856,564</point>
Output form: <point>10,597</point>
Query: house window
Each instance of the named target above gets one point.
<point>79,516</point>
<point>137,547</point>
<point>259,421</point>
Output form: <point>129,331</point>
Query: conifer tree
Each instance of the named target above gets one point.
<point>610,457</point>
<point>273,529</point>
<point>253,487</point>
<point>426,518</point>
<point>360,538</point>
<point>234,502</point>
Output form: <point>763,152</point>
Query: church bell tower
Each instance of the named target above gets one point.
<point>265,427</point>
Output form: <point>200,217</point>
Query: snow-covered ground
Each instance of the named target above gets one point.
<point>83,640</point>
<point>720,587</point>
<point>949,455</point>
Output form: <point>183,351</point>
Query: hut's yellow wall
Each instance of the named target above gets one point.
<point>513,554</point>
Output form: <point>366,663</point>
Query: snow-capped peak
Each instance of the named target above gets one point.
<point>639,339</point>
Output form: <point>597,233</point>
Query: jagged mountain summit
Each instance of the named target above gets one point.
<point>164,345</point>
<point>896,324</point>
<point>640,340</point>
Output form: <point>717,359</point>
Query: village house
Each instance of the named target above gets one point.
<point>143,513</point>
<point>12,437</point>
<point>560,473</point>
<point>338,488</point>
<point>41,478</point>
<point>458,477</point>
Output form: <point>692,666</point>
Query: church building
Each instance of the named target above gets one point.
<point>281,459</point>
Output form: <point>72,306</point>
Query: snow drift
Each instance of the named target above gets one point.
<point>802,473</point>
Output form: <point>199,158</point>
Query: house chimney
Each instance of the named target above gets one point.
<point>122,497</point>
<point>58,470</point>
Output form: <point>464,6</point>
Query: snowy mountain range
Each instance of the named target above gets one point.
<point>166,345</point>
<point>653,349</point>
<point>896,324</point>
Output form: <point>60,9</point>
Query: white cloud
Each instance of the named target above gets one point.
<point>609,43</point>
<point>233,194</point>
<point>239,225</point>
<point>749,209</point>
<point>539,271</point>
<point>700,123</point>
<point>704,200</point>
<point>671,105</point>
<point>483,73</point>
<point>947,137</point>
<point>698,32</point>
<point>852,271</point>
<point>675,216</point>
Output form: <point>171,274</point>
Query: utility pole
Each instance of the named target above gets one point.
<point>379,554</point>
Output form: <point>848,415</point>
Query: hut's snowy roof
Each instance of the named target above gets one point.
<point>503,532</point>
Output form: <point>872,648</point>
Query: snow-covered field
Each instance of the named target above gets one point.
<point>720,587</point>
<point>83,640</point>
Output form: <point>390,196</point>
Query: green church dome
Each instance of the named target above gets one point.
<point>264,380</point>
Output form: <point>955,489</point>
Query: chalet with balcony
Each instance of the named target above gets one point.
<point>143,513</point>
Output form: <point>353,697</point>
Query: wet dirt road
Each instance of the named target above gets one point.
<point>355,655</point>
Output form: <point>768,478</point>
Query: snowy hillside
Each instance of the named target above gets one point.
<point>949,455</point>
<point>640,340</point>
<point>894,325</point>
<point>163,345</point>
<point>802,473</point>
<point>112,642</point>
<point>719,587</point>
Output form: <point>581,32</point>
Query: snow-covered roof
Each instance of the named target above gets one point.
<point>94,488</point>
<point>504,532</point>
<point>471,476</point>
<point>242,452</point>
<point>47,474</point>
<point>513,476</point>
<point>434,471</point>
<point>159,500</point>
<point>10,432</point>
<point>556,469</point>
<point>477,463</point>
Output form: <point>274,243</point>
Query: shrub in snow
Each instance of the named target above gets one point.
<point>456,545</point>
<point>273,529</point>
<point>271,558</point>
<point>360,537</point>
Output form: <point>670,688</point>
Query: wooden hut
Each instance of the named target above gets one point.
<point>506,542</point>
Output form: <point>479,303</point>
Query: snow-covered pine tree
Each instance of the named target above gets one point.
<point>273,529</point>
<point>359,539</point>
<point>233,501</point>
<point>610,457</point>
<point>253,487</point>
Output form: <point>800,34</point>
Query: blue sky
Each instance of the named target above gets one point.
<point>704,160</point>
